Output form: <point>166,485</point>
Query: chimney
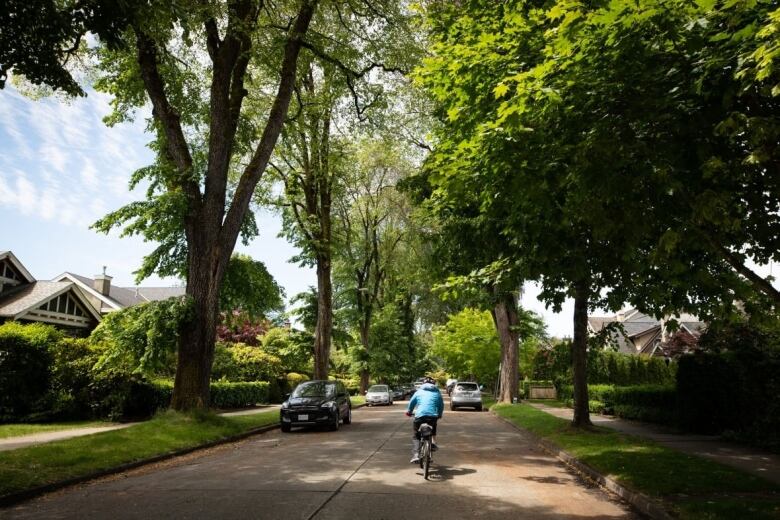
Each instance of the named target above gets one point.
<point>103,283</point>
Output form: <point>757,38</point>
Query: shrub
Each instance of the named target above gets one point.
<point>294,379</point>
<point>71,376</point>
<point>238,395</point>
<point>238,362</point>
<point>650,403</point>
<point>24,368</point>
<point>734,391</point>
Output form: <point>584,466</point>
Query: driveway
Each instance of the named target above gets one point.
<point>484,469</point>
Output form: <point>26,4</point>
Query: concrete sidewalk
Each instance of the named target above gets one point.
<point>749,460</point>
<point>22,441</point>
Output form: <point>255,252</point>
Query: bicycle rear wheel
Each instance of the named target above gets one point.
<point>427,459</point>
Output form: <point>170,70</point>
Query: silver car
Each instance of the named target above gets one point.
<point>466,394</point>
<point>379,394</point>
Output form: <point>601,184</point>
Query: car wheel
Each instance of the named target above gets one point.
<point>479,408</point>
<point>348,418</point>
<point>453,407</point>
<point>334,426</point>
<point>286,427</point>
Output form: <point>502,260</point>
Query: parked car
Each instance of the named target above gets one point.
<point>379,394</point>
<point>466,394</point>
<point>409,389</point>
<point>314,403</point>
<point>398,393</point>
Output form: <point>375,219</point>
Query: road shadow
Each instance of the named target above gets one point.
<point>442,473</point>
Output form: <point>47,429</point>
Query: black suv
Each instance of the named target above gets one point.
<point>316,403</point>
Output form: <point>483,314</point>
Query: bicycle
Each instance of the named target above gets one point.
<point>426,444</point>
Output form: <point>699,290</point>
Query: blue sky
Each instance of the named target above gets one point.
<point>61,169</point>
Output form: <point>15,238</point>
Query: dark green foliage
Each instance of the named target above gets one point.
<point>649,403</point>
<point>607,367</point>
<point>249,286</point>
<point>238,395</point>
<point>142,339</point>
<point>71,377</point>
<point>604,367</point>
<point>734,391</point>
<point>24,367</point>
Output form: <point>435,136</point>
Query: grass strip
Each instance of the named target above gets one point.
<point>42,464</point>
<point>652,469</point>
<point>19,429</point>
<point>358,400</point>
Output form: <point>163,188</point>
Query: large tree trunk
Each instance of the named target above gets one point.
<point>324,329</point>
<point>364,374</point>
<point>197,336</point>
<point>579,355</point>
<point>506,321</point>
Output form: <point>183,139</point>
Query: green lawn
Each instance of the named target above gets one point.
<point>42,464</point>
<point>552,403</point>
<point>358,400</point>
<point>652,469</point>
<point>16,430</point>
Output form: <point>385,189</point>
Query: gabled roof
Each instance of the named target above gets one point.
<point>122,297</point>
<point>23,299</point>
<point>8,255</point>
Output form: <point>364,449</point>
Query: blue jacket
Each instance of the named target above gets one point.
<point>428,402</point>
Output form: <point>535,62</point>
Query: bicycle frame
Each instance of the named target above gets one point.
<point>426,434</point>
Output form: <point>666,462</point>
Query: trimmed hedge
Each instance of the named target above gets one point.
<point>24,368</point>
<point>157,394</point>
<point>650,403</point>
<point>604,367</point>
<point>732,391</point>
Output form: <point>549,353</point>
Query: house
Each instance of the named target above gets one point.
<point>69,301</point>
<point>108,298</point>
<point>637,333</point>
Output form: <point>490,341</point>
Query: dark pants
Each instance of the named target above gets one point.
<point>429,419</point>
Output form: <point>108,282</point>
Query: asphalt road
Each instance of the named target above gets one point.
<point>484,469</point>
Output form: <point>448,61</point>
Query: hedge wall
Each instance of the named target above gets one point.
<point>650,403</point>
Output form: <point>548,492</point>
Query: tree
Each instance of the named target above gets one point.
<point>469,346</point>
<point>335,86</point>
<point>249,287</point>
<point>370,226</point>
<point>200,145</point>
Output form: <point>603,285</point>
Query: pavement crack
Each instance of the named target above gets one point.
<point>346,481</point>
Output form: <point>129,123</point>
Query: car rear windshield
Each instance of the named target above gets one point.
<point>467,387</point>
<point>378,388</point>
<point>315,389</point>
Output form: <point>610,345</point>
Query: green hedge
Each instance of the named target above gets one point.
<point>650,403</point>
<point>24,368</point>
<point>734,392</point>
<point>604,367</point>
<point>223,395</point>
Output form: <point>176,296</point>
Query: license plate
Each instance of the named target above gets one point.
<point>303,417</point>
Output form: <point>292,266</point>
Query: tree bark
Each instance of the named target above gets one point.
<point>579,355</point>
<point>197,336</point>
<point>505,318</point>
<point>324,329</point>
<point>364,332</point>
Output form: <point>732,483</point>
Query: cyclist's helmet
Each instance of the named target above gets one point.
<point>429,380</point>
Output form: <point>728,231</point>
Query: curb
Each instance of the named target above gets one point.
<point>639,501</point>
<point>27,494</point>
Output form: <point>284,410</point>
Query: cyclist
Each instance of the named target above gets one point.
<point>427,406</point>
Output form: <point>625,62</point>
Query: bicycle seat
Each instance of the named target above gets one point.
<point>426,430</point>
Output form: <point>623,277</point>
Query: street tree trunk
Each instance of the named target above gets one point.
<point>324,329</point>
<point>579,355</point>
<point>506,320</point>
<point>365,378</point>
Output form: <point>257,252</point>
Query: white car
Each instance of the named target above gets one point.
<point>466,394</point>
<point>379,394</point>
